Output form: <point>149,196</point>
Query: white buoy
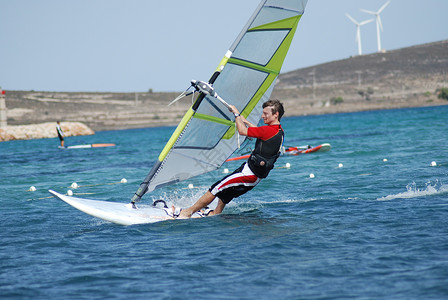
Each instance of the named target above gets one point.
<point>190,186</point>
<point>433,164</point>
<point>70,193</point>
<point>288,166</point>
<point>385,159</point>
<point>340,165</point>
<point>225,171</point>
<point>74,185</point>
<point>312,175</point>
<point>123,180</point>
<point>32,188</point>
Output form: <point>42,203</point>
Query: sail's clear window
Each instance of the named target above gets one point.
<point>202,134</point>
<point>238,85</point>
<point>272,14</point>
<point>259,46</point>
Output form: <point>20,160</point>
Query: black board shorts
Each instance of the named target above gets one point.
<point>234,185</point>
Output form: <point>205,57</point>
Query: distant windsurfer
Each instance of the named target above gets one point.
<point>60,133</point>
<point>248,175</point>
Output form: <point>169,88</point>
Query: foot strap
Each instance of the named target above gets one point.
<point>154,204</point>
<point>173,212</point>
<point>206,211</point>
<point>176,212</point>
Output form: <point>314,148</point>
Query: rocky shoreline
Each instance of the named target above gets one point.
<point>43,130</point>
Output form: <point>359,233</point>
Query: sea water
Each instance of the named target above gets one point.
<point>371,224</point>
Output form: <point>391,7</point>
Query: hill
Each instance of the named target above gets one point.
<point>405,77</point>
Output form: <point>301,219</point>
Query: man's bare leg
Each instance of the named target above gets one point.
<point>205,200</point>
<point>219,208</point>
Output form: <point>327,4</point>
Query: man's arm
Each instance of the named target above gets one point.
<point>241,122</point>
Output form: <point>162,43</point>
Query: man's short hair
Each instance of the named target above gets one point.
<point>277,106</point>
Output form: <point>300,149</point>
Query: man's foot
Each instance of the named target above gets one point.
<point>184,214</point>
<point>174,211</point>
<point>179,213</point>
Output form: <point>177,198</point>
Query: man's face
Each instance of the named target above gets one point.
<point>267,116</point>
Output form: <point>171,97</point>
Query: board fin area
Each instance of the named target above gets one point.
<point>120,213</point>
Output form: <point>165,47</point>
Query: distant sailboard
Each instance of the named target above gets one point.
<point>206,136</point>
<point>293,151</point>
<point>87,146</point>
<point>307,149</point>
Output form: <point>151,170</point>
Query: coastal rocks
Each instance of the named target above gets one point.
<point>43,130</point>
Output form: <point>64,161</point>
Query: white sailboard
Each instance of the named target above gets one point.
<point>206,136</point>
<point>85,146</point>
<point>120,213</point>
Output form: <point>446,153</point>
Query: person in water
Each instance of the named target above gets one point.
<point>60,133</point>
<point>248,175</point>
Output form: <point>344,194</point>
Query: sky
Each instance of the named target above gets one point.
<point>138,45</point>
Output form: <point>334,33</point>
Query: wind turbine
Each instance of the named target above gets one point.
<point>379,25</point>
<point>358,31</point>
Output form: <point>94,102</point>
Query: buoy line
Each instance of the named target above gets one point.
<point>74,185</point>
<point>32,199</point>
<point>286,166</point>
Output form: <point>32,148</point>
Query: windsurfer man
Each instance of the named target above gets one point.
<point>248,175</point>
<point>60,133</point>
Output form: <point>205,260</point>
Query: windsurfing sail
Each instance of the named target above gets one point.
<point>245,77</point>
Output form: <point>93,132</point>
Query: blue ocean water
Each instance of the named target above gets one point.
<point>375,227</point>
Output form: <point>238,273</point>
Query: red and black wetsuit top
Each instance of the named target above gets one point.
<point>267,148</point>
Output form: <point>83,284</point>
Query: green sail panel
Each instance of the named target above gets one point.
<point>245,77</point>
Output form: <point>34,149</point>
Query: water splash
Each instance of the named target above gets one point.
<point>412,191</point>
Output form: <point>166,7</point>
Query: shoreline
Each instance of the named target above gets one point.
<point>48,129</point>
